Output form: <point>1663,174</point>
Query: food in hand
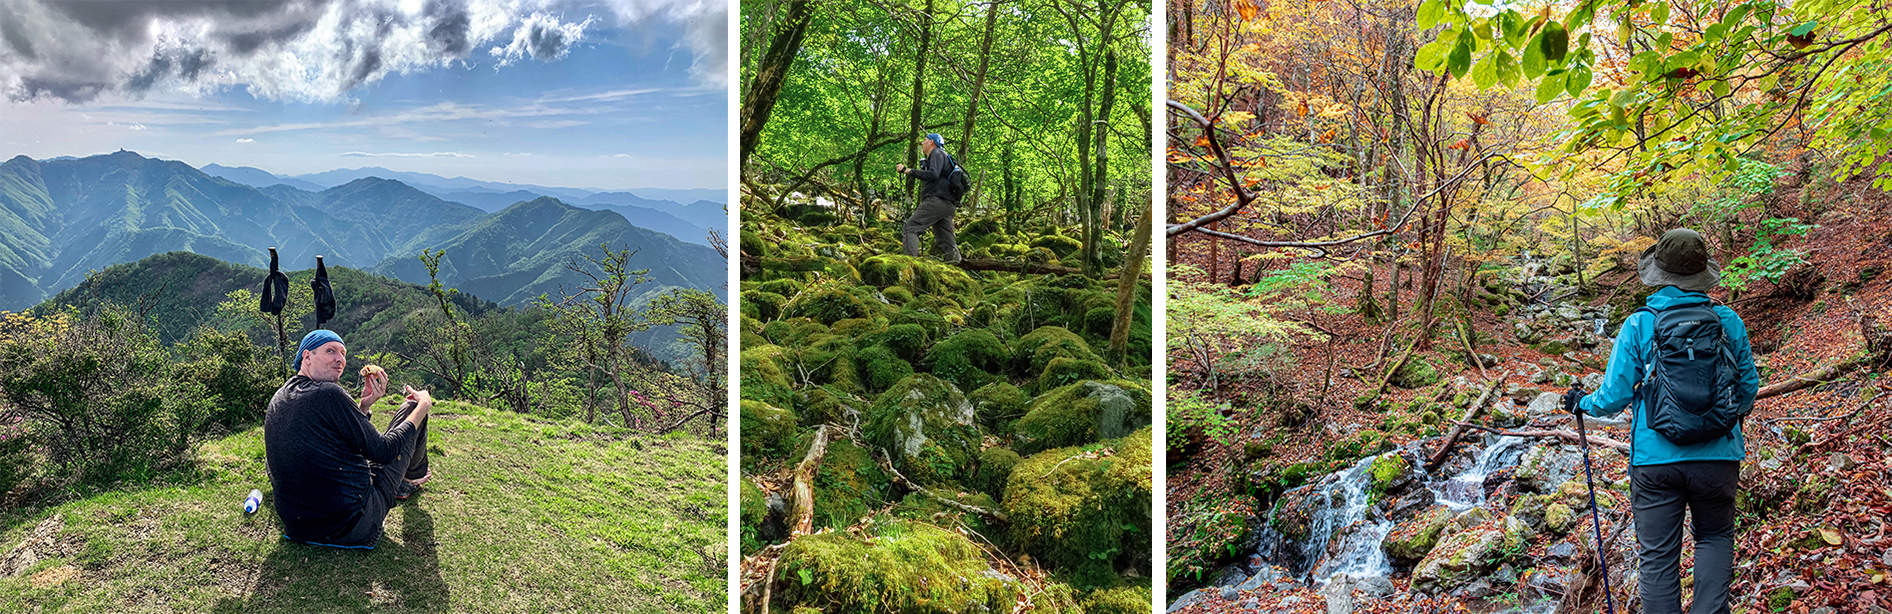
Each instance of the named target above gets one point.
<point>372,372</point>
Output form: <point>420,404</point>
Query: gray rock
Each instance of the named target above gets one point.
<point>1232,575</point>
<point>777,504</point>
<point>1561,551</point>
<point>1545,467</point>
<point>1839,462</point>
<point>1546,404</point>
<point>1411,505</point>
<point>1339,594</point>
<point>1478,589</point>
<point>1569,313</point>
<point>1374,587</point>
<point>1799,586</point>
<point>1823,610</point>
<point>1543,377</point>
<point>1457,559</point>
<point>1229,593</point>
<point>1184,601</point>
<point>1264,575</point>
<point>1887,559</point>
<point>1593,381</point>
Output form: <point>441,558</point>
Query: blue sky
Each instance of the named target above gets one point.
<point>609,95</point>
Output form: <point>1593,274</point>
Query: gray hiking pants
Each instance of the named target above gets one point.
<point>387,480</point>
<point>1659,495</point>
<point>935,213</point>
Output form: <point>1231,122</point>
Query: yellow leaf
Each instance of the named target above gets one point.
<point>1238,116</point>
<point>1831,536</point>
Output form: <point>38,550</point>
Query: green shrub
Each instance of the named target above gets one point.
<point>240,375</point>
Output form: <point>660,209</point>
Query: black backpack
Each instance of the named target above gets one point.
<point>1690,392</point>
<point>957,182</point>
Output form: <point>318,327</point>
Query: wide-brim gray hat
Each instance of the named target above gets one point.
<point>1680,259</point>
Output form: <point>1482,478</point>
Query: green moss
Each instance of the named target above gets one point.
<point>1387,470</point>
<point>969,359</point>
<point>848,486</point>
<point>1037,349</point>
<point>1082,413</point>
<point>1553,348</point>
<point>906,340</point>
<point>997,405</point>
<point>1064,371</point>
<point>857,328</point>
<point>881,367</point>
<point>905,567</point>
<point>784,287</point>
<point>921,276</point>
<point>819,406</point>
<point>1418,372</point>
<point>927,426</point>
<point>765,305</point>
<point>935,325</point>
<point>767,431</point>
<point>1085,512</point>
<point>1559,517</point>
<point>1124,600</point>
<point>752,244</point>
<point>920,507</point>
<point>1060,245</point>
<point>832,301</point>
<point>755,504</point>
<point>1778,600</point>
<point>1410,541</point>
<point>995,468</point>
<point>828,360</point>
<point>763,378</point>
<point>897,295</point>
<point>751,331</point>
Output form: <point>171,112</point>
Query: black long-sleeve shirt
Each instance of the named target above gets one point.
<point>318,447</point>
<point>933,173</point>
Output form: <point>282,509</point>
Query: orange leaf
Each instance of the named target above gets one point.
<point>1478,119</point>
<point>1302,111</point>
<point>1461,144</point>
<point>1328,136</point>
<point>1202,141</point>
<point>1247,9</point>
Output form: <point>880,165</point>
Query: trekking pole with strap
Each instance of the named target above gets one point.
<point>1596,518</point>
<point>324,294</point>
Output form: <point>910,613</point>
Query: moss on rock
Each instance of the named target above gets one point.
<point>1063,371</point>
<point>995,468</point>
<point>969,359</point>
<point>921,276</point>
<point>998,405</point>
<point>1388,471</point>
<point>831,301</point>
<point>1410,541</point>
<point>763,378</point>
<point>927,425</point>
<point>1418,372</point>
<point>1082,413</point>
<point>904,567</point>
<point>1084,511</point>
<point>848,486</point>
<point>881,367</point>
<point>1121,600</point>
<point>1037,349</point>
<point>767,431</point>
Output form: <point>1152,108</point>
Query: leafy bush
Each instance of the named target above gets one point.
<point>240,374</point>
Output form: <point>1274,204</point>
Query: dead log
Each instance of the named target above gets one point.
<point>1470,413</point>
<point>1565,434</point>
<point>1807,380</point>
<point>804,493</point>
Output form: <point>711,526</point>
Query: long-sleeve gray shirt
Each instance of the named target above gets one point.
<point>318,447</point>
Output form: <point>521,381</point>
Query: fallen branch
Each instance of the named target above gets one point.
<point>1565,434</point>
<point>1807,380</point>
<point>1388,378</point>
<point>970,509</point>
<point>804,489</point>
<point>1470,413</point>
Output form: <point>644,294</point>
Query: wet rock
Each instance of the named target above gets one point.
<point>1374,587</point>
<point>1460,559</point>
<point>1339,594</point>
<point>1546,582</point>
<point>1545,467</point>
<point>1412,540</point>
<point>1264,575</point>
<point>1232,575</point>
<point>1390,472</point>
<point>1414,503</point>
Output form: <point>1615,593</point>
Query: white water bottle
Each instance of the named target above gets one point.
<point>255,501</point>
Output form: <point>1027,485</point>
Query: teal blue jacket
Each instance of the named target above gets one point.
<point>1628,363</point>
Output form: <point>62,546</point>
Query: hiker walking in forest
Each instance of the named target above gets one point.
<point>938,200</point>
<point>1686,365</point>
<point>335,477</point>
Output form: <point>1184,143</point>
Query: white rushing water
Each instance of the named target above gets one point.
<point>1467,489</point>
<point>1344,515</point>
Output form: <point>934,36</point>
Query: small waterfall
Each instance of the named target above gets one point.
<point>1346,515</point>
<point>1467,489</point>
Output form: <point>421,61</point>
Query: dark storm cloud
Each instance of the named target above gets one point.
<point>545,42</point>
<point>449,34</point>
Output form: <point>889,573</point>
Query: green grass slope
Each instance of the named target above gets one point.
<point>522,516</point>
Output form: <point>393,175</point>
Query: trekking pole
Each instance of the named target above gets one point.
<point>1596,518</point>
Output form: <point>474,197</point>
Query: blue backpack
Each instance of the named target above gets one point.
<point>1690,393</point>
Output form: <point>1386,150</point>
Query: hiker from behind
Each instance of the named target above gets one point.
<point>334,475</point>
<point>937,200</point>
<point>1685,366</point>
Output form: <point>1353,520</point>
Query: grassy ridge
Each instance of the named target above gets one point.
<point>523,515</point>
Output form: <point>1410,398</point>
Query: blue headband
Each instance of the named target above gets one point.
<point>315,339</point>
<point>936,139</point>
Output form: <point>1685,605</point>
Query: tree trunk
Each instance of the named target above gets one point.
<point>919,98</point>
<point>1094,240</point>
<point>1127,286</point>
<point>964,146</point>
<point>773,72</point>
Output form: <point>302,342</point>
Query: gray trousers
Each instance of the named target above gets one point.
<point>387,479</point>
<point>1659,495</point>
<point>935,213</point>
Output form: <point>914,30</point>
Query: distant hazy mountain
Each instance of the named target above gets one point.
<point>258,178</point>
<point>654,219</point>
<point>714,195</point>
<point>60,219</point>
<point>707,214</point>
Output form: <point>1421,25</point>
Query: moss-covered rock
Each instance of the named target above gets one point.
<point>763,306</point>
<point>921,276</point>
<point>848,485</point>
<point>904,567</point>
<point>935,325</point>
<point>767,431</point>
<point>1063,371</point>
<point>858,328</point>
<point>969,359</point>
<point>998,405</point>
<point>1060,245</point>
<point>1037,349</point>
<point>751,331</point>
<point>995,468</point>
<point>828,360</point>
<point>1559,518</point>
<point>928,427</point>
<point>1082,413</point>
<point>1389,471</point>
<point>1418,372</point>
<point>831,301</point>
<point>880,367</point>
<point>1457,560</point>
<point>897,295</point>
<point>1122,600</point>
<point>755,509</point>
<point>763,378</point>
<point>784,287</point>
<point>818,406</point>
<point>1084,511</point>
<point>1410,541</point>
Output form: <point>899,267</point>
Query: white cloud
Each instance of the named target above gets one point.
<point>246,140</point>
<point>437,154</point>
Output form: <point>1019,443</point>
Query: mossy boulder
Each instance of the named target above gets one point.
<point>897,295</point>
<point>1084,509</point>
<point>881,368</point>
<point>750,330</point>
<point>832,301</point>
<point>828,360</point>
<point>857,328</point>
<point>1064,371</point>
<point>1122,600</point>
<point>935,325</point>
<point>1082,413</point>
<point>1458,560</point>
<point>1410,541</point>
<point>1037,349</point>
<point>767,431</point>
<point>923,277</point>
<point>763,378</point>
<point>763,306</point>
<point>970,359</point>
<point>1418,372</point>
<point>818,406</point>
<point>1060,245</point>
<point>784,287</point>
<point>848,486</point>
<point>1559,518</point>
<point>1389,472</point>
<point>998,405</point>
<point>923,508</point>
<point>901,566</point>
<point>928,427</point>
<point>906,340</point>
<point>995,468</point>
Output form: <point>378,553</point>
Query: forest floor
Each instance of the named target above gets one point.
<point>1817,457</point>
<point>523,515</point>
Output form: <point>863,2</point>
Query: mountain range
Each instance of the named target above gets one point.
<point>658,209</point>
<point>62,218</point>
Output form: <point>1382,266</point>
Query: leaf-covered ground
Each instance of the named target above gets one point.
<point>523,515</point>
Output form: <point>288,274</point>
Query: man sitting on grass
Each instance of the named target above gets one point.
<point>334,475</point>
